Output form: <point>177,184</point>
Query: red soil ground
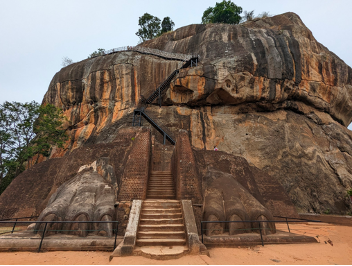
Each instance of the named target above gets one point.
<point>334,247</point>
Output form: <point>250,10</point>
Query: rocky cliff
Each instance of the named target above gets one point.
<point>264,90</point>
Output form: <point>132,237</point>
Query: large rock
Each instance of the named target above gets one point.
<point>264,90</point>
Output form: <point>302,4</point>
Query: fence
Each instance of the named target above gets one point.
<point>146,50</point>
<point>44,231</point>
<point>294,220</point>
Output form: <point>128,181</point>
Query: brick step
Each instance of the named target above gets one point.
<point>161,201</point>
<point>161,184</point>
<point>161,234</point>
<point>160,210</point>
<point>161,196</point>
<point>160,227</point>
<point>160,173</point>
<point>160,242</point>
<point>161,177</point>
<point>161,221</point>
<point>161,192</point>
<point>151,181</point>
<point>161,215</point>
<point>162,187</point>
<point>160,181</point>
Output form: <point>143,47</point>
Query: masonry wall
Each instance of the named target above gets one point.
<point>135,177</point>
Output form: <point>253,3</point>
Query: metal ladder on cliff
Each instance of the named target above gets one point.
<point>139,113</point>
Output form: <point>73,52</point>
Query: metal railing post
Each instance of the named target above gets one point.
<point>288,226</point>
<point>164,138</point>
<point>261,236</point>
<point>41,241</point>
<point>140,118</point>
<point>159,98</point>
<point>116,229</point>
<point>134,114</point>
<point>13,228</point>
<point>201,230</point>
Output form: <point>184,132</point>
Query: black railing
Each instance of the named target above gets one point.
<point>137,120</point>
<point>297,220</point>
<point>44,231</point>
<point>138,113</point>
<point>16,219</point>
<point>166,83</point>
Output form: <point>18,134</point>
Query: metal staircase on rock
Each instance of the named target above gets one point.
<point>139,113</point>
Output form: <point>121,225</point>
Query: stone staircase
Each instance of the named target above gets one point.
<point>161,223</point>
<point>161,185</point>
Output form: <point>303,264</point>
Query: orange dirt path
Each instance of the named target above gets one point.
<point>336,250</point>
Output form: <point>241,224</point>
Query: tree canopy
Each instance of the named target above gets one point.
<point>223,12</point>
<point>26,130</point>
<point>150,26</point>
<point>167,25</point>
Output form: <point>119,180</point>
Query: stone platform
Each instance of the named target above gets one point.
<point>27,241</point>
<point>252,239</point>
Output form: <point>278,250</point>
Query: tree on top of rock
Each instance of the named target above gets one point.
<point>223,12</point>
<point>167,25</point>
<point>150,27</point>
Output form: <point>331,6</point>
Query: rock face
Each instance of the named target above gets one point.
<point>265,92</point>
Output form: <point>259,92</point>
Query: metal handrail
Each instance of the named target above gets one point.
<point>257,221</point>
<point>147,50</point>
<point>8,219</point>
<point>52,222</point>
<point>153,123</point>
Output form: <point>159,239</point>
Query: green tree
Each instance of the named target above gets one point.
<point>223,12</point>
<point>149,27</point>
<point>26,130</point>
<point>99,52</point>
<point>167,25</point>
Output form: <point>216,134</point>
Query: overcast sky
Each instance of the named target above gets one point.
<point>35,35</point>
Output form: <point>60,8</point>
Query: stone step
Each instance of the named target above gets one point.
<point>160,227</point>
<point>160,210</point>
<point>161,234</point>
<point>161,221</point>
<point>160,242</point>
<point>161,215</point>
<point>160,203</point>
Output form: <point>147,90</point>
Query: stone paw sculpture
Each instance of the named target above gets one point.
<point>228,200</point>
<point>89,196</point>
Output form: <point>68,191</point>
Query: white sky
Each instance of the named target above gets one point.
<point>35,35</point>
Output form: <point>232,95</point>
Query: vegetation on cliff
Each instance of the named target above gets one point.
<point>223,12</point>
<point>150,26</point>
<point>27,130</point>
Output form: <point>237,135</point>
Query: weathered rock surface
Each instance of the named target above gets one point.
<point>86,197</point>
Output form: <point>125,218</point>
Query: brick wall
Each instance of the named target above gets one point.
<point>135,177</point>
<point>187,180</point>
